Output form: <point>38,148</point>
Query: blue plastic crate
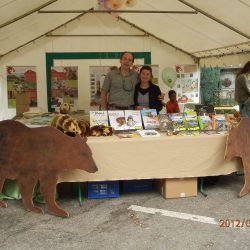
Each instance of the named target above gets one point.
<point>103,189</point>
<point>137,186</point>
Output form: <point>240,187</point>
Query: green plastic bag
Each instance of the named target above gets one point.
<point>11,191</point>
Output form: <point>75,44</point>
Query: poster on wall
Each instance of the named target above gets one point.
<point>187,83</point>
<point>228,76</point>
<point>64,86</point>
<point>97,76</point>
<point>21,79</point>
<point>227,80</point>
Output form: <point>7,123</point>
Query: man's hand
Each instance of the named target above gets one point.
<point>135,68</point>
<point>104,96</point>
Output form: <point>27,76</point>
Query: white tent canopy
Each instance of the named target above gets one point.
<point>219,27</point>
<point>173,32</point>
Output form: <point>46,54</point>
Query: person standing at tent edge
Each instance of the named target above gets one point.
<point>119,84</point>
<point>242,91</point>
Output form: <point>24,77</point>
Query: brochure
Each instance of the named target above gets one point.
<point>148,133</point>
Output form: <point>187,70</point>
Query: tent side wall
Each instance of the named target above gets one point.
<point>35,55</point>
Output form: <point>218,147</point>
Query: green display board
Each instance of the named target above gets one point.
<point>50,57</point>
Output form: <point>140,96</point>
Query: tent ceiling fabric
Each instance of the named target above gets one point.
<point>200,35</point>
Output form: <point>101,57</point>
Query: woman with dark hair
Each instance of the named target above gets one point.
<point>147,95</point>
<point>242,91</point>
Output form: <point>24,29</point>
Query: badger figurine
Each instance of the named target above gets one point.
<point>64,108</point>
<point>66,124</point>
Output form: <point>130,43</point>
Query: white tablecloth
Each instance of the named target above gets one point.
<point>153,158</point>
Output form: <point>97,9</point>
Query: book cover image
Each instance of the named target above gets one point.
<point>98,118</point>
<point>177,121</point>
<point>205,122</point>
<point>117,120</point>
<point>219,122</point>
<point>150,118</point>
<point>165,123</point>
<point>191,122</point>
<point>133,119</point>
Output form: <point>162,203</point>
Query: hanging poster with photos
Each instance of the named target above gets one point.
<point>227,80</point>
<point>64,86</point>
<point>228,76</point>
<point>21,79</point>
<point>98,74</point>
<point>187,83</point>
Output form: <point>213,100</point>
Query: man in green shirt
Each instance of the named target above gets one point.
<point>119,84</point>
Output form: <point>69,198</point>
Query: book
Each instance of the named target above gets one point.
<point>219,122</point>
<point>98,118</point>
<point>148,133</point>
<point>150,118</point>
<point>117,120</point>
<point>165,123</point>
<point>127,134</point>
<point>191,122</point>
<point>177,121</point>
<point>205,122</point>
<point>133,119</point>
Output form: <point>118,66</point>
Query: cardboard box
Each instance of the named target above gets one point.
<point>21,108</point>
<point>23,98</point>
<point>177,187</point>
<point>22,103</point>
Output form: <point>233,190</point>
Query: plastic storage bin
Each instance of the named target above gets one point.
<point>103,189</point>
<point>137,186</point>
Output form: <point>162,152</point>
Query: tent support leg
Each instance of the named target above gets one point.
<point>80,194</point>
<point>200,187</point>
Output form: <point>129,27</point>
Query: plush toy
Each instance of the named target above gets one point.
<point>84,127</point>
<point>107,131</point>
<point>66,124</point>
<point>40,154</point>
<point>232,121</point>
<point>101,130</point>
<point>64,108</point>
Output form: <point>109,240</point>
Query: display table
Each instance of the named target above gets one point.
<point>155,158</point>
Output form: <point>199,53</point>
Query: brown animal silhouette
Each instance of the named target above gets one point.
<point>238,145</point>
<point>39,154</point>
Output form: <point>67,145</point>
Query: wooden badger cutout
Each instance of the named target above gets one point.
<point>39,154</point>
<point>238,145</point>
